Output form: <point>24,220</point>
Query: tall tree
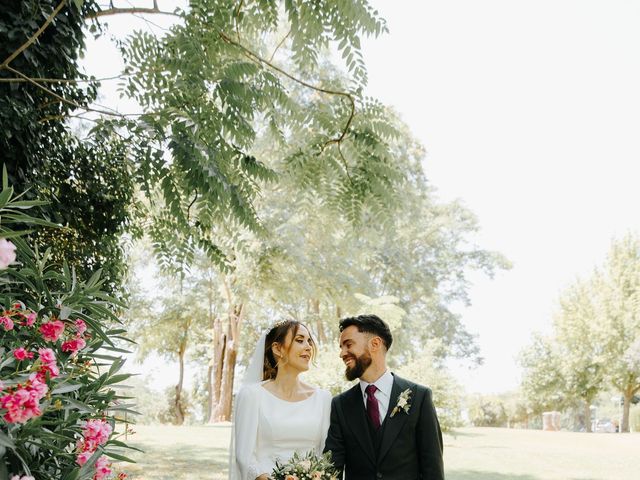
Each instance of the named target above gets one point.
<point>580,343</point>
<point>86,182</point>
<point>621,326</point>
<point>165,324</point>
<point>597,331</point>
<point>543,381</point>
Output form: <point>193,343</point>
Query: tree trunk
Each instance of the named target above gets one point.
<point>224,404</point>
<point>223,409</point>
<point>219,353</point>
<point>209,402</point>
<point>587,417</point>
<point>624,424</point>
<point>315,309</point>
<point>179,420</point>
<point>213,376</point>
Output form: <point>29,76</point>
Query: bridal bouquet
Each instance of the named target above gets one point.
<point>306,467</point>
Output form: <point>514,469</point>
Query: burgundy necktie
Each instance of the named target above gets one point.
<point>372,406</point>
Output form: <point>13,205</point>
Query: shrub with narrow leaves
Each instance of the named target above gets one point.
<point>59,362</point>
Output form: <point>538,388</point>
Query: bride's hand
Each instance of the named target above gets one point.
<point>264,476</point>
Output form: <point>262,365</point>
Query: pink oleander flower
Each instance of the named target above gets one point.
<point>102,468</point>
<point>7,253</point>
<point>81,327</point>
<point>51,331</point>
<point>74,345</point>
<point>22,354</point>
<point>48,359</point>
<point>24,477</point>
<point>97,431</point>
<point>52,368</point>
<point>46,355</point>
<point>31,319</point>
<point>7,323</point>
<point>22,404</point>
<point>82,457</point>
<point>38,386</point>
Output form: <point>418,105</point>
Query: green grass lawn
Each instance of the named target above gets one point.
<point>471,454</point>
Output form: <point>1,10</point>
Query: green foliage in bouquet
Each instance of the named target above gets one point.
<point>59,362</point>
<point>309,466</point>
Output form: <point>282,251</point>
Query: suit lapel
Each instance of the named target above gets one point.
<point>357,420</point>
<point>394,424</point>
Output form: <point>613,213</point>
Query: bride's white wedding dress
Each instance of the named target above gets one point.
<point>268,428</point>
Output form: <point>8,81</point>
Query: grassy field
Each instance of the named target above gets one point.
<point>178,453</point>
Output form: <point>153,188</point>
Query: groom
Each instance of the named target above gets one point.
<point>384,427</point>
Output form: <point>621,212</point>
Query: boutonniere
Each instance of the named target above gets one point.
<point>404,402</point>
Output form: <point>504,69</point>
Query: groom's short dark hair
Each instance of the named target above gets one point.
<point>369,324</point>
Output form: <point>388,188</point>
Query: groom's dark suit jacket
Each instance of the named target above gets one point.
<point>405,447</point>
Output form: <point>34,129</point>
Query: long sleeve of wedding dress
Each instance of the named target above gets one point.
<point>246,433</point>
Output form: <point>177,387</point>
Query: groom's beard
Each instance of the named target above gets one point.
<point>360,364</point>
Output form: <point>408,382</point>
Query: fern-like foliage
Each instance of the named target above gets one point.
<point>229,72</point>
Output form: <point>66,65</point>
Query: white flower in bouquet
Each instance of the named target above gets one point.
<point>306,467</point>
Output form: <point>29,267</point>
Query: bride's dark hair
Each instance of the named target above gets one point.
<point>278,334</point>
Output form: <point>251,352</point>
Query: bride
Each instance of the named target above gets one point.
<point>276,413</point>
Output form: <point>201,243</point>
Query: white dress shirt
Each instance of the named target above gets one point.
<point>384,384</point>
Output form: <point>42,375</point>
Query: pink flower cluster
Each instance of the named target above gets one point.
<point>22,317</point>
<point>24,477</point>
<point>95,433</point>
<point>77,343</point>
<point>22,403</point>
<point>52,330</point>
<point>6,323</point>
<point>22,354</point>
<point>48,364</point>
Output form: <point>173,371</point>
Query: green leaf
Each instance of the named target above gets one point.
<point>15,233</point>
<point>28,203</point>
<point>118,378</point>
<point>5,195</point>
<point>67,388</point>
<point>6,441</point>
<point>118,456</point>
<point>75,404</point>
<point>72,475</point>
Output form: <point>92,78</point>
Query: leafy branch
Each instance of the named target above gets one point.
<point>263,62</point>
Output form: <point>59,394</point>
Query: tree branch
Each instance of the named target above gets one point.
<point>236,14</point>
<point>191,205</point>
<point>33,37</point>
<point>131,10</point>
<point>62,99</point>
<point>279,45</point>
<point>65,80</point>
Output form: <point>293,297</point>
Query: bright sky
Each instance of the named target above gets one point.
<point>530,113</point>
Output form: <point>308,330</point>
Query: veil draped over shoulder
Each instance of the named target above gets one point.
<point>252,376</point>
